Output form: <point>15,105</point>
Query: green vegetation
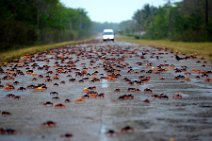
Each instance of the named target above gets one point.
<point>31,22</point>
<point>12,54</point>
<point>202,49</point>
<point>188,20</point>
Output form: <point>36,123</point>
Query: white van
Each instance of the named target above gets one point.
<point>108,34</point>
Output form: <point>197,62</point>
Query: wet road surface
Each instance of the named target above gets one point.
<point>106,92</point>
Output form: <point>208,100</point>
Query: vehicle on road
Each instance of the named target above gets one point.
<point>108,35</point>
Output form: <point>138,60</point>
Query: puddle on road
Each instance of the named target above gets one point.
<point>104,83</point>
<point>102,132</point>
<point>144,86</point>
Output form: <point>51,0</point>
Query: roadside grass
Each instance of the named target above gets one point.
<point>201,49</point>
<point>10,55</point>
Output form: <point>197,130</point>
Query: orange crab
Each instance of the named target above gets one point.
<point>59,106</point>
<point>196,71</point>
<point>9,87</point>
<point>40,88</point>
<point>111,77</point>
<point>92,94</point>
<point>79,100</point>
<point>86,90</point>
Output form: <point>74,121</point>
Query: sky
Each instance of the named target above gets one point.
<point>111,10</point>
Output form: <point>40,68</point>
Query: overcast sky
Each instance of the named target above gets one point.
<point>111,10</point>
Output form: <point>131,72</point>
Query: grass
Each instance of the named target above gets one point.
<point>202,49</point>
<point>10,55</point>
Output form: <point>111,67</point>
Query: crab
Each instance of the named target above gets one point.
<point>34,79</point>
<point>162,78</point>
<point>146,101</point>
<point>16,82</point>
<point>92,94</point>
<point>85,90</point>
<point>55,98</point>
<point>48,103</point>
<point>80,100</point>
<point>95,80</point>
<point>62,82</point>
<point>178,97</point>
<point>60,105</point>
<point>56,84</point>
<point>101,95</point>
<point>21,89</point>
<point>67,135</point>
<point>111,77</point>
<point>126,97</point>
<point>67,101</point>
<point>127,129</point>
<point>54,93</point>
<point>17,97</point>
<point>133,90</point>
<point>117,90</point>
<point>148,90</point>
<point>72,79</point>
<point>163,96</point>
<point>110,132</point>
<point>208,79</point>
<point>5,113</point>
<point>10,95</point>
<point>9,87</point>
<point>8,131</point>
<point>49,124</point>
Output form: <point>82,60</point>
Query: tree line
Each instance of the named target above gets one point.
<point>28,22</point>
<point>98,27</point>
<point>188,20</point>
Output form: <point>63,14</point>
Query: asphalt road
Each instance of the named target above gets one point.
<point>106,92</point>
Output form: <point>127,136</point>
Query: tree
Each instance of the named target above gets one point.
<point>40,21</point>
<point>144,16</point>
<point>188,20</point>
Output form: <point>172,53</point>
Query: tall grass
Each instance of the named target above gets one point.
<point>203,49</point>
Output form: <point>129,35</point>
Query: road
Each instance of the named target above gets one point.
<point>106,92</point>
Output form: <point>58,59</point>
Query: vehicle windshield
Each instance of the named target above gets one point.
<point>108,33</point>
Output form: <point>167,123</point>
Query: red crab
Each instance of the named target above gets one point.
<point>60,105</point>
<point>49,124</point>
